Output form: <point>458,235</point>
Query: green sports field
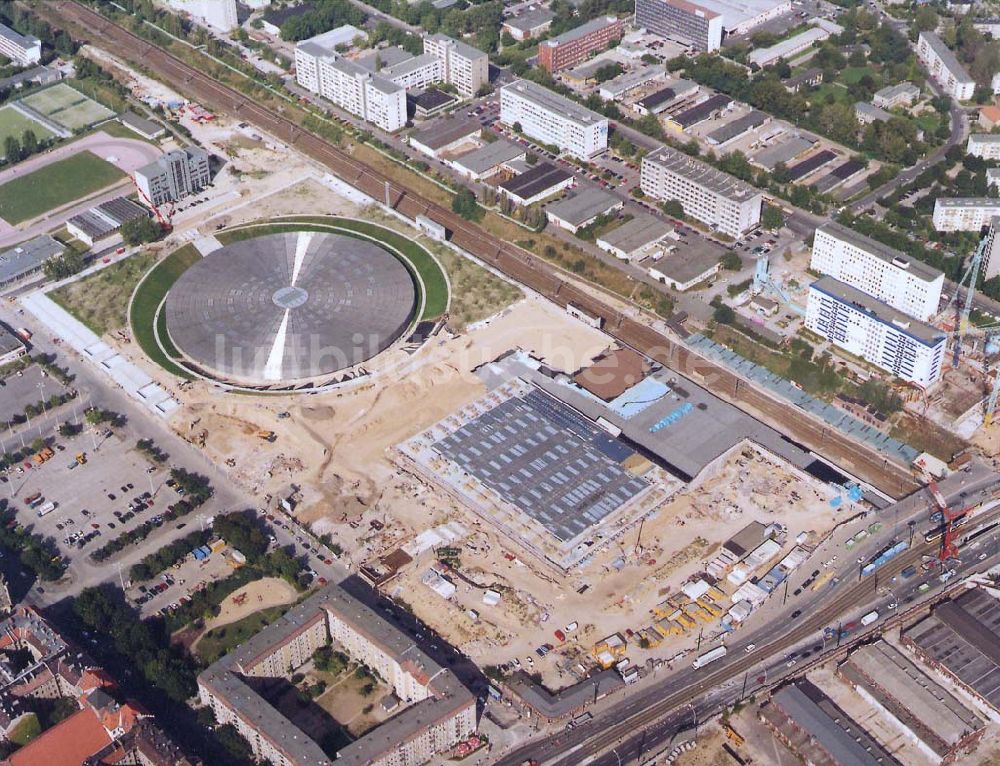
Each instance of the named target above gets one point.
<point>55,185</point>
<point>13,123</point>
<point>67,106</point>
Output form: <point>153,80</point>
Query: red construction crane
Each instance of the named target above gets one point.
<point>948,516</point>
<point>164,221</point>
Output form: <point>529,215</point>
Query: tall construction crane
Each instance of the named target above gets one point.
<point>165,221</point>
<point>948,516</point>
<point>762,281</point>
<point>968,281</point>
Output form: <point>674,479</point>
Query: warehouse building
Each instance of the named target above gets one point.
<point>27,259</point>
<point>623,84</point>
<point>912,702</point>
<point>531,24</point>
<point>985,145</point>
<point>961,638</point>
<point>576,45</point>
<point>140,125</point>
<point>659,101</point>
<point>489,159</point>
<point>737,128</point>
<point>103,222</point>
<point>174,176</point>
<point>550,118</point>
<point>803,41</point>
<point>683,269</point>
<point>717,199</point>
<point>812,726</point>
<point>711,107</point>
<point>581,209</point>
<point>445,135</point>
<point>541,181</point>
<point>439,711</point>
<point>886,274</point>
<point>634,239</point>
<point>881,335</point>
<point>964,213</point>
<point>944,67</point>
<point>21,49</point>
<point>12,348</point>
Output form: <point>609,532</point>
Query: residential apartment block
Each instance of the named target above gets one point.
<point>717,199</point>
<point>944,67</point>
<point>863,326</point>
<point>964,213</point>
<point>218,14</point>
<point>882,272</point>
<point>985,145</point>
<point>174,176</point>
<point>463,66</point>
<point>553,119</point>
<point>685,22</point>
<point>438,711</point>
<point>350,86</point>
<point>991,258</point>
<point>576,45</point>
<point>21,49</point>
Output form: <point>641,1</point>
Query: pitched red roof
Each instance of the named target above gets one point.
<point>68,743</point>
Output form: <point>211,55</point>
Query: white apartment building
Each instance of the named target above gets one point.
<point>944,67</point>
<point>882,272</point>
<point>964,213</point>
<point>876,332</point>
<point>902,94</point>
<point>552,119</point>
<point>21,49</point>
<point>717,199</point>
<point>416,72</point>
<point>217,14</point>
<point>465,67</point>
<point>173,176</point>
<point>350,86</point>
<point>985,145</point>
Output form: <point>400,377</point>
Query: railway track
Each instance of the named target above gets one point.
<point>520,265</point>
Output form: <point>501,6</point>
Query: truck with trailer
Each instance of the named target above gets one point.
<point>709,657</point>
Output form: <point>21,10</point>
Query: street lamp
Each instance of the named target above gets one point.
<point>615,751</point>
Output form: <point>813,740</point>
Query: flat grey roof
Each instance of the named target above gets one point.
<point>27,257</point>
<point>782,152</point>
<point>530,20</point>
<point>384,58</point>
<point>489,156</point>
<point>685,265</point>
<point>625,82</point>
<point>555,466</point>
<point>882,251</point>
<point>899,88</point>
<point>409,65</point>
<point>967,202</point>
<point>588,203</point>
<point>702,173</point>
<point>144,126</point>
<point>463,49</point>
<point>107,217</point>
<point>440,133</point>
<point>8,340</point>
<point>802,77</point>
<point>846,742</point>
<point>700,112</point>
<point>937,717</point>
<point>985,138</point>
<point>948,59</point>
<point>25,41</point>
<point>554,102</point>
<point>882,312</point>
<point>43,74</point>
<point>963,635</point>
<point>738,127</point>
<point>871,111</point>
<point>633,235</point>
<point>581,31</point>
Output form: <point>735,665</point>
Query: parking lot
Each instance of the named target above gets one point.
<point>175,585</point>
<point>26,387</point>
<point>114,490</point>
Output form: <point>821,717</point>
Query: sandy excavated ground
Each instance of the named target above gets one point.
<point>252,597</point>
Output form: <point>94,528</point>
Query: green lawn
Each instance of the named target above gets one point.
<point>55,185</point>
<point>100,301</point>
<point>26,730</point>
<point>433,278</point>
<point>220,641</point>
<point>13,123</point>
<point>148,297</point>
<point>853,74</point>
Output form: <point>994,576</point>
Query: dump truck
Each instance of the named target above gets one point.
<point>268,436</point>
<point>81,458</point>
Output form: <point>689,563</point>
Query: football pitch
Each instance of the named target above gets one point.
<point>13,123</point>
<point>67,106</point>
<point>55,185</point>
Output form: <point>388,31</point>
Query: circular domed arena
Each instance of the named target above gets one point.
<point>289,309</point>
